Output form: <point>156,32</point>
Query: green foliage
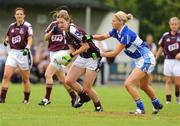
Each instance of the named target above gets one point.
<point>152,14</point>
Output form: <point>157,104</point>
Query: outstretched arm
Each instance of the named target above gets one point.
<point>101,37</point>
<point>115,52</point>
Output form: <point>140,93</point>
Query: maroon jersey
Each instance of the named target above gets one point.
<point>56,41</point>
<point>74,38</point>
<point>170,44</point>
<point>18,35</point>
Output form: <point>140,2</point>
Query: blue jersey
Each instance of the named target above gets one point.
<point>134,46</point>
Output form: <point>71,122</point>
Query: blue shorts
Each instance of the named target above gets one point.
<point>146,63</point>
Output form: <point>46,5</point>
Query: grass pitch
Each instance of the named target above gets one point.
<point>115,100</point>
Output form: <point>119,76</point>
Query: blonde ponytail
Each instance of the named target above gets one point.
<point>122,16</point>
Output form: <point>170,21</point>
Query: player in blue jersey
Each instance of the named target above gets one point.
<point>135,48</point>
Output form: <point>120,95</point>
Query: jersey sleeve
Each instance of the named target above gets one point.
<point>112,32</point>
<point>8,32</point>
<point>160,43</point>
<point>49,28</point>
<point>30,30</point>
<point>76,33</point>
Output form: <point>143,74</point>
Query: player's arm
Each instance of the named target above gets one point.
<point>115,52</point>
<point>5,42</point>
<point>47,36</point>
<point>159,52</point>
<point>29,44</point>
<point>84,47</point>
<point>101,37</point>
<point>71,49</point>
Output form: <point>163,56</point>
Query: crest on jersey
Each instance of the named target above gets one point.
<point>78,33</point>
<point>168,40</point>
<point>178,39</point>
<point>12,30</point>
<point>21,31</point>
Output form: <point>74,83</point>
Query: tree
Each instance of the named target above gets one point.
<point>152,14</point>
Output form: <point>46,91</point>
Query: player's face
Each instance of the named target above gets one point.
<point>19,15</point>
<point>174,25</point>
<point>149,39</point>
<point>63,24</point>
<point>116,23</point>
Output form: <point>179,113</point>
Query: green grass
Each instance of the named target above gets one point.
<point>116,102</point>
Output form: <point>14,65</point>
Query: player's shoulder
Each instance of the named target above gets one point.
<point>54,23</point>
<point>27,24</point>
<point>73,28</point>
<point>12,24</point>
<point>165,34</point>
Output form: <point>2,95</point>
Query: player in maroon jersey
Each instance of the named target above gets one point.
<point>19,38</point>
<point>86,63</point>
<point>170,45</point>
<point>56,43</point>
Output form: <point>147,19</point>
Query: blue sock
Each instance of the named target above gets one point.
<point>155,102</point>
<point>139,104</point>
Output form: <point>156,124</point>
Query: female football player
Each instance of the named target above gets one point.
<point>170,45</point>
<point>56,43</point>
<point>19,38</point>
<point>135,48</point>
<point>86,63</point>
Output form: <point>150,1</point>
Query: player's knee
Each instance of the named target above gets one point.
<point>47,76</point>
<point>86,89</point>
<point>68,82</point>
<point>143,87</point>
<point>126,85</point>
<point>26,81</point>
<point>6,76</point>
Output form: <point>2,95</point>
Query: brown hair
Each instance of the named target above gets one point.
<point>64,14</point>
<point>19,8</point>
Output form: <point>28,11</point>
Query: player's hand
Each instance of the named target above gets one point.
<point>25,51</point>
<point>87,38</point>
<point>55,30</point>
<point>5,43</point>
<point>68,58</point>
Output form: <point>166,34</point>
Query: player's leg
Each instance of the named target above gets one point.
<point>26,84</point>
<point>168,82</point>
<point>50,71</point>
<point>168,70</point>
<point>61,77</point>
<point>146,87</point>
<point>177,89</point>
<point>73,74</point>
<point>10,66</point>
<point>176,72</point>
<point>130,85</point>
<point>8,72</point>
<point>89,78</point>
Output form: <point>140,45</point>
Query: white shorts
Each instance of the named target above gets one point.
<point>146,63</point>
<point>171,67</point>
<point>53,63</point>
<point>16,59</point>
<point>88,63</point>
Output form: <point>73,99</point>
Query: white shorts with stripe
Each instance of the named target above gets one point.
<point>88,63</point>
<point>53,63</point>
<point>146,63</point>
<point>16,59</point>
<point>172,67</point>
